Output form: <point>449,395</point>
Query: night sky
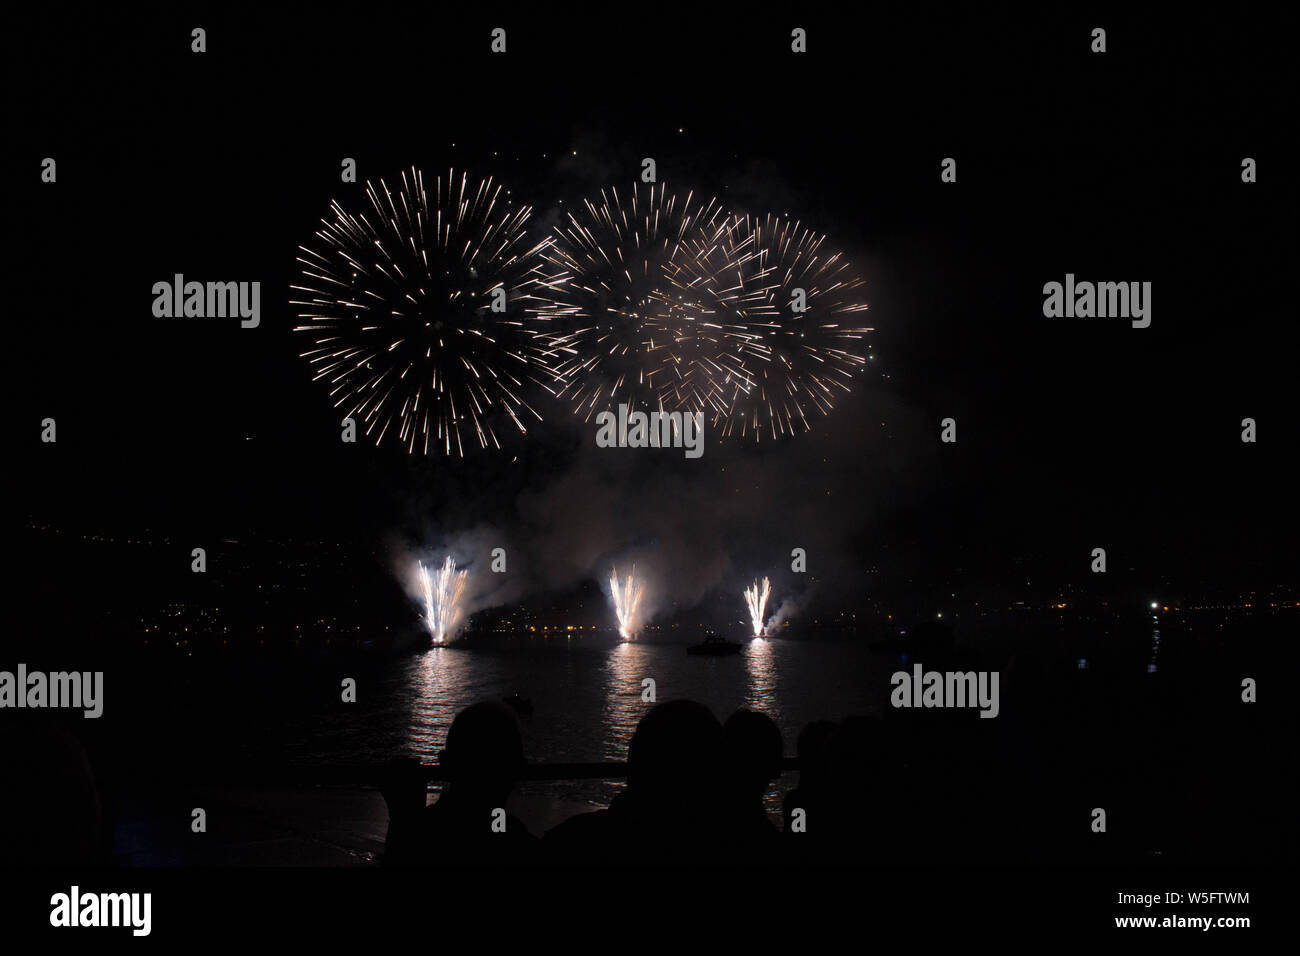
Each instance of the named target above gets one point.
<point>1072,434</point>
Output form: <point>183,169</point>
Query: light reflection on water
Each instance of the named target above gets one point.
<point>588,698</point>
<point>760,665</point>
<point>626,667</point>
<point>443,680</point>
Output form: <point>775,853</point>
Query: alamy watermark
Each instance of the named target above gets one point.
<point>75,908</point>
<point>1099,300</point>
<point>639,429</point>
<point>75,689</point>
<point>208,300</point>
<point>923,688</point>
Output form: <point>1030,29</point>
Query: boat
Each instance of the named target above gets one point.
<point>715,646</point>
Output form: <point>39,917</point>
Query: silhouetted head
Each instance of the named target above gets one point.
<point>484,752</point>
<point>675,750</point>
<point>754,748</point>
<point>812,750</point>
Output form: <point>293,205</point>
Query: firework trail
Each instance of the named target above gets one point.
<point>756,601</point>
<point>795,363</point>
<point>621,324</point>
<point>443,613</point>
<point>702,366</point>
<point>399,299</point>
<point>627,602</point>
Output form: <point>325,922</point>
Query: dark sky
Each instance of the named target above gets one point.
<point>1072,434</point>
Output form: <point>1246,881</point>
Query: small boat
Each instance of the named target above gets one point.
<point>715,646</point>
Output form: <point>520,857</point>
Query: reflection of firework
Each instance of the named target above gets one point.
<point>443,613</point>
<point>400,301</point>
<point>627,602</point>
<point>616,316</point>
<point>795,362</point>
<point>756,601</point>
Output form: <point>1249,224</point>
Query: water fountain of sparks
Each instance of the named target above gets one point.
<point>756,601</point>
<point>627,602</point>
<point>442,592</point>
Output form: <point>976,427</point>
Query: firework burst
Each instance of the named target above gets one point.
<point>781,365</point>
<point>626,596</point>
<point>756,600</point>
<point>400,301</point>
<point>619,317</point>
<point>443,613</point>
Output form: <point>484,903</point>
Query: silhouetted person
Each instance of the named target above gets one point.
<point>812,791</point>
<point>669,814</point>
<point>752,752</point>
<point>483,758</point>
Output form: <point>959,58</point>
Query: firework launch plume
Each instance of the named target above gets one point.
<point>627,602</point>
<point>756,600</point>
<point>443,612</point>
